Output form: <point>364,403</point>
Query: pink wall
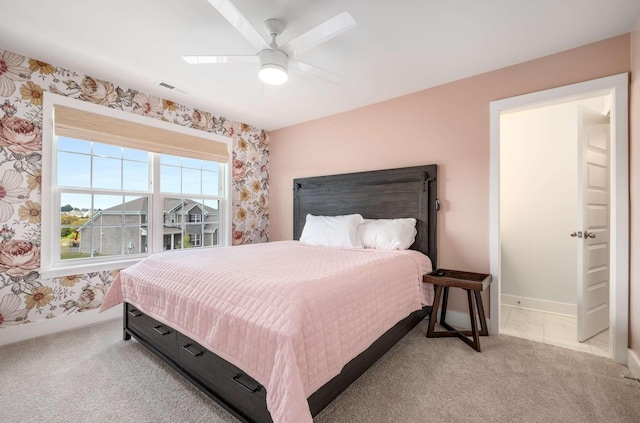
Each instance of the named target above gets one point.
<point>447,125</point>
<point>634,148</point>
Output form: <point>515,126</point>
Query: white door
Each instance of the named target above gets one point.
<point>593,222</point>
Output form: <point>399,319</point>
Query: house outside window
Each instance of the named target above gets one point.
<point>134,202</point>
<point>174,235</point>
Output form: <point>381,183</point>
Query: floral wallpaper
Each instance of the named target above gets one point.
<point>24,295</point>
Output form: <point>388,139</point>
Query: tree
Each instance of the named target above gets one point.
<point>66,208</point>
<point>186,241</point>
<point>66,219</point>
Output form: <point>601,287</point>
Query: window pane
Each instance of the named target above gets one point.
<point>136,210</point>
<point>211,210</point>
<point>213,166</point>
<point>194,214</point>
<point>191,163</point>
<point>106,173</point>
<point>70,242</point>
<point>107,210</point>
<point>191,233</point>
<point>210,183</point>
<point>144,239</point>
<point>107,150</point>
<point>108,241</point>
<point>87,236</point>
<point>210,228</point>
<point>138,155</point>
<point>193,209</point>
<point>135,241</point>
<point>191,183</point>
<point>69,226</point>
<point>136,176</point>
<point>169,179</point>
<point>196,237</point>
<point>172,211</point>
<point>74,170</point>
<point>210,236</point>
<point>76,146</point>
<point>166,159</point>
<point>171,239</point>
<point>71,202</point>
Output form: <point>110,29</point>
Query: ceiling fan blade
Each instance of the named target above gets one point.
<point>321,33</point>
<point>323,74</point>
<point>239,22</point>
<point>199,60</point>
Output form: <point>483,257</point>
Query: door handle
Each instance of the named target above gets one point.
<point>588,234</point>
<point>576,234</point>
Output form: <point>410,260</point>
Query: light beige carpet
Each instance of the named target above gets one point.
<point>91,375</point>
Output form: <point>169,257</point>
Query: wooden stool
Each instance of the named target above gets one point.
<point>444,279</point>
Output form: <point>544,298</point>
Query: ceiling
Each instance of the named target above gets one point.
<point>398,47</point>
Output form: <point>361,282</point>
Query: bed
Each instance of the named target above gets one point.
<point>385,194</point>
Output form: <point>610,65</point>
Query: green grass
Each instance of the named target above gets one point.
<point>73,255</point>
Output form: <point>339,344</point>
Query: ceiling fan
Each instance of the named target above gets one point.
<point>275,60</point>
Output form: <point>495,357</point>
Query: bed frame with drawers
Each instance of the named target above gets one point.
<point>382,194</point>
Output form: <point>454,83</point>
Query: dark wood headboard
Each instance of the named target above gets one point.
<point>378,194</point>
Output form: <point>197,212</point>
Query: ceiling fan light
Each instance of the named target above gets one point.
<point>273,74</point>
<point>273,66</point>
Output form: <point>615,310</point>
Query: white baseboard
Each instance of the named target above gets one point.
<point>634,363</point>
<point>555,307</point>
<point>43,327</point>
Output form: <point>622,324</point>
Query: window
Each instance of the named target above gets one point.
<point>115,198</point>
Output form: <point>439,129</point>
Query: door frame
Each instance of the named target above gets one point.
<point>618,87</point>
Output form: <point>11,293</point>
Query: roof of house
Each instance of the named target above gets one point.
<point>171,205</point>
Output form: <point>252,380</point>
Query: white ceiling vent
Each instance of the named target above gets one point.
<point>173,87</point>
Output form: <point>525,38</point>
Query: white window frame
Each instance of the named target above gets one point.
<point>197,240</point>
<point>51,265</point>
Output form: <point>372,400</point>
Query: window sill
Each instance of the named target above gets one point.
<point>79,269</point>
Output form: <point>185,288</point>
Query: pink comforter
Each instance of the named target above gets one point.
<point>290,315</point>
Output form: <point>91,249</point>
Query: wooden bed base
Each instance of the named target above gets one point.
<point>382,194</point>
<point>228,385</point>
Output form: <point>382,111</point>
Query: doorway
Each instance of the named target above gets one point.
<point>616,87</point>
<point>542,223</point>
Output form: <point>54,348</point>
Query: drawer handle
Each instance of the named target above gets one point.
<point>160,331</point>
<point>193,353</point>
<point>236,379</point>
<point>135,313</point>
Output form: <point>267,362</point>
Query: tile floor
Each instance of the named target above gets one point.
<point>550,329</point>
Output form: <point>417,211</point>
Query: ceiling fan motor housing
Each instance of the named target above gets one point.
<point>273,58</point>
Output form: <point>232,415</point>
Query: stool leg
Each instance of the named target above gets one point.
<point>474,325</point>
<point>434,311</point>
<point>483,321</point>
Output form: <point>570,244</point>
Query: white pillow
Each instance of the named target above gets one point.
<point>388,234</point>
<point>332,231</point>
